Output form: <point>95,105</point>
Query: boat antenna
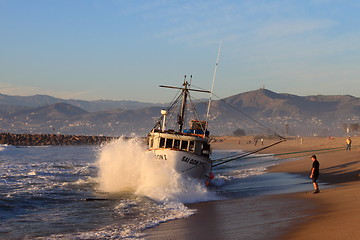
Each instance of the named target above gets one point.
<point>213,81</point>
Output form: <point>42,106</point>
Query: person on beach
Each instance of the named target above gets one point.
<point>348,144</point>
<point>314,173</point>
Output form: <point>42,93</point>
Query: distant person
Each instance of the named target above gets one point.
<point>314,173</point>
<point>348,144</point>
<point>262,141</point>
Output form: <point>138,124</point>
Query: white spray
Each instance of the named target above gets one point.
<point>126,166</point>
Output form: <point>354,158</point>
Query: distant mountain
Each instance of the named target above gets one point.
<point>90,106</point>
<point>265,103</point>
<point>251,111</point>
<point>325,115</point>
<point>6,109</point>
<point>57,111</point>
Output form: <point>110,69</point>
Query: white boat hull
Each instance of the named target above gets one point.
<point>184,162</point>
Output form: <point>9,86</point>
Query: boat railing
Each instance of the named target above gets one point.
<point>185,132</point>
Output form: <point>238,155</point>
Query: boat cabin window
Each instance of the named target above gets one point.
<point>192,146</point>
<point>151,142</point>
<point>184,145</point>
<point>169,143</point>
<point>205,149</point>
<point>176,143</point>
<point>162,142</point>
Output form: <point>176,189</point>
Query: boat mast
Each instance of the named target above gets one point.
<point>185,94</point>
<point>181,116</point>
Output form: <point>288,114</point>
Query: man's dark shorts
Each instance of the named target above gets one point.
<point>314,179</point>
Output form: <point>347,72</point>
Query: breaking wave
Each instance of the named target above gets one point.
<point>126,166</point>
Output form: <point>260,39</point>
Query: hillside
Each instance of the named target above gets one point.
<point>251,111</point>
<point>57,111</point>
<point>291,114</point>
<point>90,106</point>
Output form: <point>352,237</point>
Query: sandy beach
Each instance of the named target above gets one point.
<point>334,213</point>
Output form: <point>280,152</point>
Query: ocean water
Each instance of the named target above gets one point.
<point>115,191</point>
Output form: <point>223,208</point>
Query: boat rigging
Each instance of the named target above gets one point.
<point>187,150</point>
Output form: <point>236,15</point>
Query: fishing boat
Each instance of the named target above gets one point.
<point>187,147</point>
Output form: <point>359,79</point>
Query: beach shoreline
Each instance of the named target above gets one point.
<point>338,209</point>
<point>334,213</point>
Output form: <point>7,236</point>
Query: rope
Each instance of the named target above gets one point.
<point>172,105</point>
<point>317,151</point>
<point>249,117</point>
<point>247,154</point>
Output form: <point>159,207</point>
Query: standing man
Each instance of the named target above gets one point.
<point>314,174</point>
<point>348,144</point>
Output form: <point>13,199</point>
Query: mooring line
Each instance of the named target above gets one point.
<point>317,151</point>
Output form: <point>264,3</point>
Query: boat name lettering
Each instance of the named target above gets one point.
<point>192,161</point>
<point>162,157</point>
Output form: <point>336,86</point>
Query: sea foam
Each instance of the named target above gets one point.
<point>126,166</point>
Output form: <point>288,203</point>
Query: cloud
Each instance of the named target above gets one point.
<point>192,23</point>
<point>295,27</point>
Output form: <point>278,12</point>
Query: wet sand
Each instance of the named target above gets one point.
<point>247,218</point>
<point>339,208</point>
<point>334,213</point>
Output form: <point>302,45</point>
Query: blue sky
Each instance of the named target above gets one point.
<point>124,49</point>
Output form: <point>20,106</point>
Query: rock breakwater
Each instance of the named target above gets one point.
<point>51,139</point>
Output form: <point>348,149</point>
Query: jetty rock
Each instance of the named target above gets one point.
<point>26,139</point>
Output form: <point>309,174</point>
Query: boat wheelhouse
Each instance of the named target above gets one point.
<point>186,150</point>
